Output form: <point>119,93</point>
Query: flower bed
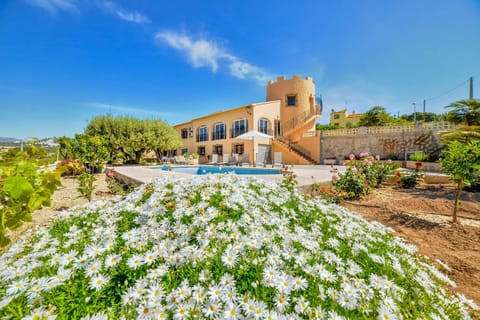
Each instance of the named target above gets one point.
<point>219,246</point>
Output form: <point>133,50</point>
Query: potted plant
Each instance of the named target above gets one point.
<point>193,159</point>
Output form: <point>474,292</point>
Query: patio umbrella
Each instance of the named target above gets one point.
<point>251,135</point>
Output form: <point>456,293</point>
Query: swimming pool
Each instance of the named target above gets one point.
<point>200,170</point>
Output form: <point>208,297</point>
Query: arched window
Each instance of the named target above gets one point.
<point>219,131</point>
<point>263,125</point>
<point>202,134</point>
<point>239,127</point>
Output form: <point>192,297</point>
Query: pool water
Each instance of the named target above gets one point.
<point>200,170</point>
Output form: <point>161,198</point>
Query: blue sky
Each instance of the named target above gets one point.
<point>64,61</point>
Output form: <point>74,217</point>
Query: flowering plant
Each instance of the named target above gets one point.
<point>409,180</point>
<point>219,246</point>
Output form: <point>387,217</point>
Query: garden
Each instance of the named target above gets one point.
<point>220,247</point>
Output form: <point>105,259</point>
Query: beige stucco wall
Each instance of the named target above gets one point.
<point>304,89</point>
<point>253,112</point>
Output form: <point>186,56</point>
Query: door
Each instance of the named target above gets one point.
<point>264,154</point>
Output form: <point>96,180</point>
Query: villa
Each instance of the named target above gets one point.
<point>342,119</point>
<point>288,115</point>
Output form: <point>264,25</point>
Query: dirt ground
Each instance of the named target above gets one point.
<point>66,196</point>
<point>423,217</point>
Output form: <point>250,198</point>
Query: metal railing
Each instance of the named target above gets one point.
<point>300,119</point>
<point>297,149</point>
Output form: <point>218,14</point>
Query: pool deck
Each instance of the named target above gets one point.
<point>305,174</point>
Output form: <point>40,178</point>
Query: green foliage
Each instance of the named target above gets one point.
<point>463,134</point>
<point>361,175</point>
<point>67,147</point>
<point>466,112</point>
<point>352,183</point>
<point>70,167</point>
<point>23,189</point>
<point>116,187</point>
<point>462,163</point>
<point>418,156</point>
<point>129,138</point>
<point>376,116</point>
<point>422,117</point>
<point>319,126</point>
<point>409,180</point>
<point>205,246</point>
<point>85,185</point>
<point>91,151</point>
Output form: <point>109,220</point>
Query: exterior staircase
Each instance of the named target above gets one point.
<point>299,151</point>
<point>292,125</point>
<point>299,121</point>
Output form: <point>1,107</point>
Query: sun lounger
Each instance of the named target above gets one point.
<point>180,160</point>
<point>214,159</point>
<point>225,159</point>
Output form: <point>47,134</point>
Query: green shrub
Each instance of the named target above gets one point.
<point>409,180</point>
<point>70,167</point>
<point>23,189</point>
<point>352,183</point>
<point>418,156</point>
<point>85,185</point>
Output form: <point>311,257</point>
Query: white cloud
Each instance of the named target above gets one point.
<point>53,6</point>
<point>129,110</point>
<point>130,16</point>
<point>203,52</point>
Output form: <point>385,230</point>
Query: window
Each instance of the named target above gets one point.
<point>336,116</point>
<point>291,100</point>
<point>238,148</point>
<point>219,131</point>
<point>201,151</point>
<point>239,127</point>
<point>202,134</point>
<point>263,125</point>
<point>185,150</point>
<point>184,133</point>
<point>218,149</point>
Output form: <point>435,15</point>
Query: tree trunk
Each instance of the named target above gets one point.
<point>138,156</point>
<point>457,196</point>
<point>159,154</point>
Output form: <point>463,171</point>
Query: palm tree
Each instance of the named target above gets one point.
<point>466,112</point>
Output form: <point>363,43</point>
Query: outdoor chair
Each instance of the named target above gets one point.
<point>234,161</point>
<point>214,159</point>
<point>180,160</point>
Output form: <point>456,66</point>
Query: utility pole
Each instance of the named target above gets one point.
<point>471,88</point>
<point>414,113</point>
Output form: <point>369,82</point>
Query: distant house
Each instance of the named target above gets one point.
<point>288,115</point>
<point>342,119</point>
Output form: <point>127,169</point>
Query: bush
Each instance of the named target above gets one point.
<point>352,183</point>
<point>409,180</point>
<point>24,188</point>
<point>363,172</point>
<point>70,167</point>
<point>219,247</point>
<point>418,156</point>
